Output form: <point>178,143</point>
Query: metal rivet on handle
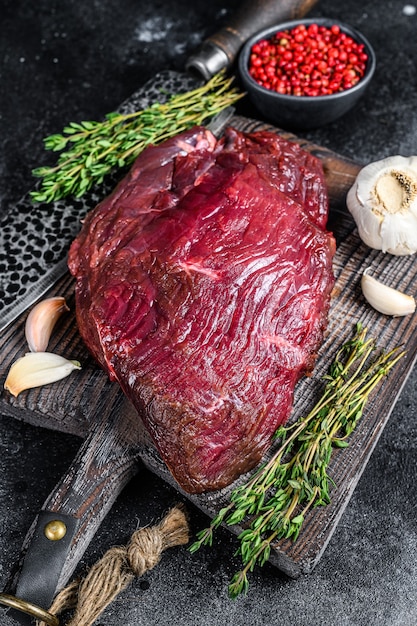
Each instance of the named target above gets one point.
<point>55,530</point>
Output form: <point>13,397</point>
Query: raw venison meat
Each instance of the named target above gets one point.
<point>203,286</point>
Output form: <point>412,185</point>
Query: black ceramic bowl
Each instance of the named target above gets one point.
<point>303,112</point>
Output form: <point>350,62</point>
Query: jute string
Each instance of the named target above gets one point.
<point>117,569</point>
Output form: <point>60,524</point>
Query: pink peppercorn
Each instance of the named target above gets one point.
<point>308,61</point>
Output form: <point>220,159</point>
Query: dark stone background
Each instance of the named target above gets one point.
<point>65,61</point>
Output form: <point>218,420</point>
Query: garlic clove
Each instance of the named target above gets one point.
<point>41,321</point>
<point>36,369</point>
<point>399,232</point>
<point>383,203</point>
<point>385,299</point>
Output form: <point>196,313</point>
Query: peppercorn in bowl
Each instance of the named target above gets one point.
<point>306,73</point>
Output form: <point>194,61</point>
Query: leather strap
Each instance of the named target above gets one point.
<point>32,586</point>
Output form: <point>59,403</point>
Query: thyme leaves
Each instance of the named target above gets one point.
<point>92,150</point>
<point>273,504</point>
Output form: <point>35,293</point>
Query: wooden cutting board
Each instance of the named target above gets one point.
<point>88,405</point>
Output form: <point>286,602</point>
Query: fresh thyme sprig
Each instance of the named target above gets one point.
<point>273,504</point>
<point>91,150</point>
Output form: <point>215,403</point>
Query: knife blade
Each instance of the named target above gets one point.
<point>34,238</point>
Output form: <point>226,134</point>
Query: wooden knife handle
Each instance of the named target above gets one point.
<point>254,16</point>
<point>220,50</point>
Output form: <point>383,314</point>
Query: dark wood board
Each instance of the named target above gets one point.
<point>74,404</point>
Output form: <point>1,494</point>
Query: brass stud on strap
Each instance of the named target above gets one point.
<point>55,530</point>
<point>29,608</point>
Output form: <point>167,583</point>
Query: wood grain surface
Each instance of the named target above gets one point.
<point>88,405</point>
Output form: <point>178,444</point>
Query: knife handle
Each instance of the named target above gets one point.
<point>71,515</point>
<point>220,50</point>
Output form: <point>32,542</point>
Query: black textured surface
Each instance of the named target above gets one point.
<point>64,61</point>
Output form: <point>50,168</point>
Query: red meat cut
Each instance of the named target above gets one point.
<point>203,286</point>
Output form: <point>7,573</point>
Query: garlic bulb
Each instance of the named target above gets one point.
<point>41,321</point>
<point>385,299</point>
<point>36,369</point>
<point>383,203</point>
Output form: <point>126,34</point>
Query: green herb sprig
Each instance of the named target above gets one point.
<point>273,504</point>
<point>92,150</point>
